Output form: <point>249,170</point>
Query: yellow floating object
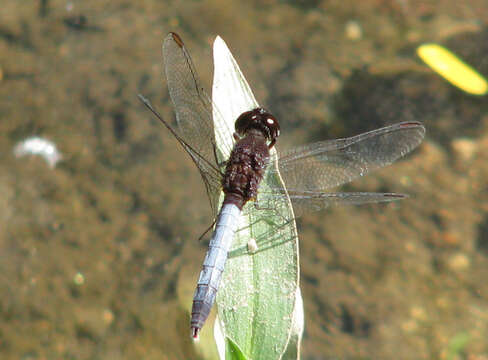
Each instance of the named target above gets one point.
<point>453,69</point>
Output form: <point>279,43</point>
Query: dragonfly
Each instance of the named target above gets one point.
<point>308,171</point>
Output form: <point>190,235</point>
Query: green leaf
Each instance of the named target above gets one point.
<point>257,301</point>
<point>232,351</point>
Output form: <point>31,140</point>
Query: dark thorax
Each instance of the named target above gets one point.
<point>256,133</point>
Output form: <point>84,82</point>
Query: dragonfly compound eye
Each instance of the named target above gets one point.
<point>259,119</point>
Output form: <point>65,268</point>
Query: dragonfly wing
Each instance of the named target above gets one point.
<point>310,201</point>
<point>331,163</point>
<point>193,109</point>
<point>307,202</point>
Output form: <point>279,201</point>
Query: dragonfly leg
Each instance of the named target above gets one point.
<point>208,229</point>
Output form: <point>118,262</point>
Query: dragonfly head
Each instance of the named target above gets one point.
<point>259,119</point>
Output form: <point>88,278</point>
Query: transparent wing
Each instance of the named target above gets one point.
<point>311,169</point>
<point>309,201</point>
<point>315,201</point>
<point>193,109</point>
<point>328,164</point>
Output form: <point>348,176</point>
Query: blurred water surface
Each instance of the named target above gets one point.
<point>99,254</point>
